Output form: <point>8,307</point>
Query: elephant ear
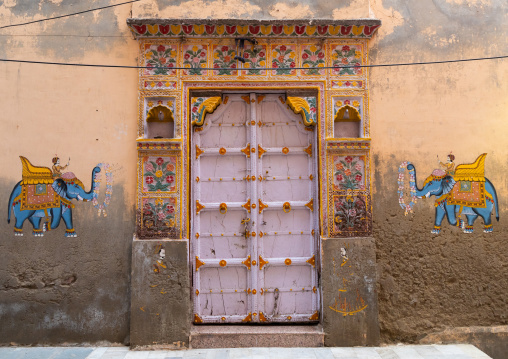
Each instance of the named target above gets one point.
<point>448,183</point>
<point>60,187</point>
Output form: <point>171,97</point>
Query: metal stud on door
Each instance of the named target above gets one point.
<point>254,215</point>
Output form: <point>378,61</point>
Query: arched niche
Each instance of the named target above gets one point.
<point>160,123</point>
<point>347,123</point>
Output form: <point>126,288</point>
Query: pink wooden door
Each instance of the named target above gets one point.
<point>254,211</point>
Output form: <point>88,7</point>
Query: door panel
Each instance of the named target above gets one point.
<point>254,214</point>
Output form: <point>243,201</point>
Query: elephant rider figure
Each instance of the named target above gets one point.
<point>57,169</point>
<point>449,166</point>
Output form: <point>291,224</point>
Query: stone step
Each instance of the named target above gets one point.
<point>243,336</point>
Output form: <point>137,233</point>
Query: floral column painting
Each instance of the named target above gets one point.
<point>351,200</point>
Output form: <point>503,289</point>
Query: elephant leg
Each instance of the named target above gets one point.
<point>21,216</point>
<point>440,214</point>
<point>36,223</point>
<point>486,214</point>
<point>470,221</point>
<point>67,217</point>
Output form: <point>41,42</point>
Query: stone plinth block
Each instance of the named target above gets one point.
<point>160,297</point>
<point>350,313</point>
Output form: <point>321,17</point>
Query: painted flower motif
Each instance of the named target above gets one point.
<point>349,173</point>
<point>194,59</point>
<point>349,57</point>
<point>149,167</point>
<point>224,59</point>
<point>283,60</point>
<point>159,174</point>
<point>159,214</point>
<point>158,59</point>
<point>356,104</point>
<point>255,57</point>
<point>350,215</point>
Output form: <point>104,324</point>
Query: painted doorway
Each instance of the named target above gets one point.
<point>255,214</point>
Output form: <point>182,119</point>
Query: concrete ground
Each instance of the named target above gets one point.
<point>456,351</point>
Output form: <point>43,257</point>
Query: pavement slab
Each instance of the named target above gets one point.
<point>457,351</point>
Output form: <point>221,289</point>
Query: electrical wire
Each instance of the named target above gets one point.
<point>254,68</point>
<point>61,16</point>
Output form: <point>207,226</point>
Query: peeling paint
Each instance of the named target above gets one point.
<point>291,11</point>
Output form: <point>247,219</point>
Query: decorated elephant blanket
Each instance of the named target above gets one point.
<point>38,196</point>
<point>469,194</point>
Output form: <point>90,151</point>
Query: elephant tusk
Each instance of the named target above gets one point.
<point>427,195</point>
<point>79,198</point>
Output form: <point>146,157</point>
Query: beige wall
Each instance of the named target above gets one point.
<point>417,112</point>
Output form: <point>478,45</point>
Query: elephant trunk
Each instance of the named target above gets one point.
<point>89,195</point>
<point>419,191</point>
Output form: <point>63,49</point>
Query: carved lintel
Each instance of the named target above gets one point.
<point>310,205</point>
<point>247,262</point>
<point>199,206</point>
<point>312,261</point>
<point>199,151</point>
<point>207,106</point>
<point>199,263</point>
<point>300,105</point>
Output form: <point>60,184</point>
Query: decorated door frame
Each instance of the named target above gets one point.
<point>263,303</point>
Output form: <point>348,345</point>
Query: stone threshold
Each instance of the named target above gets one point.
<point>243,336</point>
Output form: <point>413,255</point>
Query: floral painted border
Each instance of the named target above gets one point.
<point>347,55</point>
<point>159,216</point>
<point>349,172</point>
<point>313,56</point>
<point>159,174</point>
<point>140,29</point>
<point>159,59</point>
<point>194,58</point>
<point>224,57</point>
<point>255,56</point>
<point>284,56</point>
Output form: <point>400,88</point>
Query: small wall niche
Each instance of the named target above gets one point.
<point>347,118</point>
<point>159,118</point>
<point>347,123</point>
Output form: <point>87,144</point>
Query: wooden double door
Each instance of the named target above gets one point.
<point>255,214</point>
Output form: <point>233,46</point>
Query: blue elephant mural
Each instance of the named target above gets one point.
<point>44,198</point>
<point>463,191</point>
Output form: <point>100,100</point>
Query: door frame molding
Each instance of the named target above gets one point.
<point>193,88</point>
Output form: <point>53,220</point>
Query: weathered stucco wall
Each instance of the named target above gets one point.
<point>426,282</point>
<point>431,282</point>
<point>55,289</point>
